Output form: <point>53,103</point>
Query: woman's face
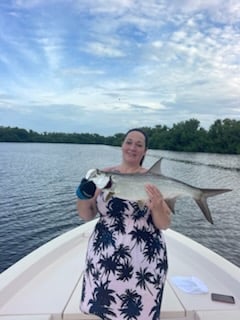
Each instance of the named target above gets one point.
<point>134,147</point>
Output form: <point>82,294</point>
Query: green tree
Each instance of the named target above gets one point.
<point>187,136</point>
<point>224,136</point>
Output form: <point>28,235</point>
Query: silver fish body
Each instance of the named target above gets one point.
<point>132,187</point>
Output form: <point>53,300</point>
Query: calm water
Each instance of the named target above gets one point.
<point>37,194</point>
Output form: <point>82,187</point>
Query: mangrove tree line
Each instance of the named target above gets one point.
<point>223,136</point>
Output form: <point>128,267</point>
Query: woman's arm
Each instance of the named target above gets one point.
<point>87,209</point>
<point>161,214</point>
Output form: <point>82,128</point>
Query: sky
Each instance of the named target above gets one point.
<point>105,66</point>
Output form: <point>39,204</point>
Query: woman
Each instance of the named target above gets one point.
<point>126,261</point>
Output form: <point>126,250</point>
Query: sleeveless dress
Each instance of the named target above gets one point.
<point>126,264</point>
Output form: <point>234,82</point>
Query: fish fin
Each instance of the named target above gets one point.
<point>171,204</point>
<point>141,204</point>
<point>202,201</point>
<point>213,192</point>
<point>107,195</point>
<point>156,167</point>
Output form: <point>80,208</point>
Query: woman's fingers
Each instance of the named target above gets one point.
<point>154,195</point>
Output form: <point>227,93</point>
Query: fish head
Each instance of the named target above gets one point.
<point>101,179</point>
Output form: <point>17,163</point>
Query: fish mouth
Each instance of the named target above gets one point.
<point>109,184</point>
<point>101,181</point>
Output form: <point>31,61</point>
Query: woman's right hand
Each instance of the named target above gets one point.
<point>86,204</point>
<point>86,189</point>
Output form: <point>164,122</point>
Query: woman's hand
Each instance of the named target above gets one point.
<point>86,203</point>
<point>161,213</point>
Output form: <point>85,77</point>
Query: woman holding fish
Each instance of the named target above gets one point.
<point>126,261</point>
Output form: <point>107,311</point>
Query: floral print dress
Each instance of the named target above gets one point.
<point>126,264</point>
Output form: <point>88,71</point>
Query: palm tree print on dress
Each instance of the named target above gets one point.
<point>116,208</point>
<point>126,264</point>
<point>144,277</point>
<point>101,301</point>
<point>131,305</point>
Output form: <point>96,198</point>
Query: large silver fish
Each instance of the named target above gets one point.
<point>132,187</point>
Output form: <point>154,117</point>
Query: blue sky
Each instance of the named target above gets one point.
<point>104,66</point>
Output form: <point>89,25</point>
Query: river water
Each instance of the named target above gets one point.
<point>38,202</point>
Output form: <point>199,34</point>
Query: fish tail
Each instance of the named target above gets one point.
<point>202,201</point>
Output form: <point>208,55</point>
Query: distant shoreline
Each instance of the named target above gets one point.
<point>222,137</point>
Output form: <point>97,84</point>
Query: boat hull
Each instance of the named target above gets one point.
<point>47,282</point>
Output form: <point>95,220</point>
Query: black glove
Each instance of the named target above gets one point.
<point>86,189</point>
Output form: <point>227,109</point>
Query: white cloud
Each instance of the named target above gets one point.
<point>82,70</point>
<point>101,49</point>
<point>136,61</point>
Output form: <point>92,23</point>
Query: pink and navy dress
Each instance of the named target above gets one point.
<point>126,263</point>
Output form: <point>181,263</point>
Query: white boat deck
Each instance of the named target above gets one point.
<point>46,285</point>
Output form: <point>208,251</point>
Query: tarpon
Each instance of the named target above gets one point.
<point>131,186</point>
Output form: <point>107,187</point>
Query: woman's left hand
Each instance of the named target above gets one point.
<point>155,200</point>
<point>160,211</point>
